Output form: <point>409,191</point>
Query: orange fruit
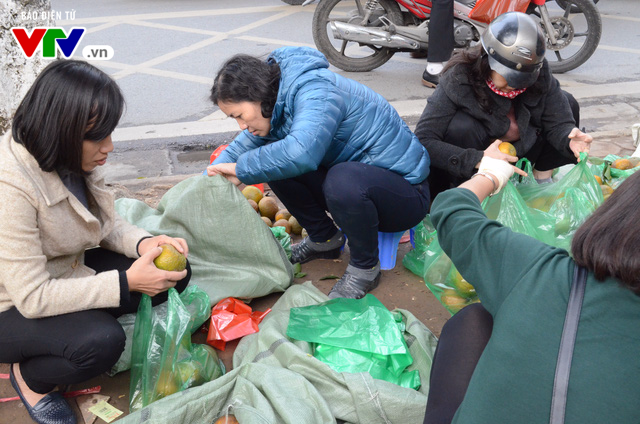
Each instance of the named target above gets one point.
<point>462,286</point>
<point>170,259</point>
<point>268,207</point>
<point>622,164</point>
<point>282,214</point>
<point>252,193</point>
<point>507,148</point>
<point>283,223</point>
<point>254,205</point>
<point>452,301</point>
<point>267,221</point>
<point>598,179</point>
<point>606,191</point>
<point>296,228</point>
<point>229,419</point>
<point>166,385</point>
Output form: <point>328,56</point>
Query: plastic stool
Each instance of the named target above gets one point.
<point>388,247</point>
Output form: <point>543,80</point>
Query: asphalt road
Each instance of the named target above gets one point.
<point>166,53</point>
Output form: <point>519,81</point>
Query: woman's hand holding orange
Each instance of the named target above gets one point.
<point>150,243</point>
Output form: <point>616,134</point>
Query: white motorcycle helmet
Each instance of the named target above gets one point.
<point>515,45</point>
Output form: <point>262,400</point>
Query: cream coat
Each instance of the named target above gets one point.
<point>44,231</point>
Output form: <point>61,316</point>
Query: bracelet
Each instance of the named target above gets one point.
<point>484,174</point>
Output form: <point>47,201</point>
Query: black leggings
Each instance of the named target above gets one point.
<point>362,199</point>
<point>461,344</point>
<point>75,347</point>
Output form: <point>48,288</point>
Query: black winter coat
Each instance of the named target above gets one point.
<point>547,114</point>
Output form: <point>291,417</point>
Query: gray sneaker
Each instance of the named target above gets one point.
<point>304,252</point>
<point>353,287</point>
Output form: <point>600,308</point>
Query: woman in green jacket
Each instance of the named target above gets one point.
<point>524,287</point>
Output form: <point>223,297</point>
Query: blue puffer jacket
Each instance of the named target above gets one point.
<point>322,119</point>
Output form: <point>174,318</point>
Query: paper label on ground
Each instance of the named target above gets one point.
<point>105,411</point>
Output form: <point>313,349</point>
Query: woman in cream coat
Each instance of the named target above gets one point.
<point>59,297</point>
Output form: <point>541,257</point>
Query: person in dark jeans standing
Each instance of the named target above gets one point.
<point>324,143</point>
<point>60,294</point>
<point>441,41</point>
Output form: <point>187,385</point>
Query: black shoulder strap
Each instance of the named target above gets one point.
<point>567,342</point>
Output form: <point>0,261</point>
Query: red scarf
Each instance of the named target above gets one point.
<point>510,95</point>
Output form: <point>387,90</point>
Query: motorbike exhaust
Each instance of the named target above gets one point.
<point>373,36</point>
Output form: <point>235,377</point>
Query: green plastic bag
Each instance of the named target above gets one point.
<point>580,177</point>
<point>445,282</point>
<point>283,238</point>
<point>605,169</point>
<point>509,208</point>
<point>548,212</point>
<point>356,335</point>
<point>164,361</point>
<point>414,259</point>
<point>568,202</point>
<point>195,301</point>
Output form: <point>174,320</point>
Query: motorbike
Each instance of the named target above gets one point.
<point>361,35</point>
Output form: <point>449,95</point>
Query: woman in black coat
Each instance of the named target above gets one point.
<point>502,89</point>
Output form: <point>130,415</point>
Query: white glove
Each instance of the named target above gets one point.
<point>499,168</point>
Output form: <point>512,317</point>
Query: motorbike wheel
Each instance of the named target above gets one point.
<point>352,56</point>
<point>577,34</point>
<point>563,4</point>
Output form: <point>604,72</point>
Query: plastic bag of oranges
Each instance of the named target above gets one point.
<point>612,170</point>
<point>163,359</point>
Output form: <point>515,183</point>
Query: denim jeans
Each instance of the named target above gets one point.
<point>362,200</point>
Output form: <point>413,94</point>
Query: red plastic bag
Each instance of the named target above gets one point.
<point>487,10</point>
<point>215,155</point>
<point>230,320</point>
<point>217,152</point>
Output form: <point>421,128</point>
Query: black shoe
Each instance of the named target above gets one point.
<point>430,80</point>
<point>303,252</point>
<point>51,409</point>
<point>353,287</point>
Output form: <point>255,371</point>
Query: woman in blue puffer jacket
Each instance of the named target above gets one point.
<point>324,143</point>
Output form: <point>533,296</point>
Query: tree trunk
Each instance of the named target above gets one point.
<point>18,72</point>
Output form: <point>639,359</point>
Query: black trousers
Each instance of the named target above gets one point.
<point>75,347</point>
<point>362,200</point>
<point>440,31</point>
<point>462,341</point>
<point>466,132</point>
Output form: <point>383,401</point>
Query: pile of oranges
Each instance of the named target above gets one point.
<point>269,210</point>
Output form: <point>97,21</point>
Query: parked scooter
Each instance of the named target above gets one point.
<point>361,35</point>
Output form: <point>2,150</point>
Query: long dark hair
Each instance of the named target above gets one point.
<point>244,78</point>
<point>69,102</point>
<point>476,63</point>
<point>608,242</point>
